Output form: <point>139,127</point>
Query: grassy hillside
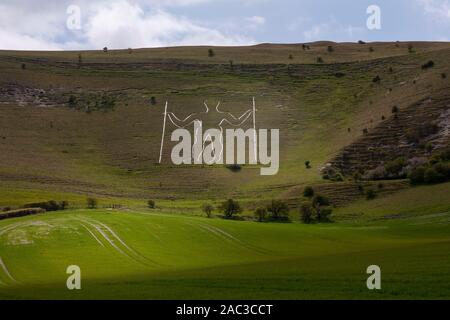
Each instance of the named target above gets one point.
<point>88,124</point>
<point>48,144</point>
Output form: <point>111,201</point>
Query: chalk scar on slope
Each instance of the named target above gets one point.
<point>5,269</point>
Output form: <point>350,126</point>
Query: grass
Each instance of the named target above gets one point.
<point>173,256</point>
<point>51,151</point>
<point>114,154</point>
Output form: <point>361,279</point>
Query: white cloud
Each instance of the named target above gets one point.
<point>255,21</point>
<point>332,30</point>
<point>122,25</point>
<point>115,24</point>
<point>439,9</point>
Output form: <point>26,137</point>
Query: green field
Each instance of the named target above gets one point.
<point>149,254</point>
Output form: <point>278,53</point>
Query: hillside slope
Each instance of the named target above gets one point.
<point>85,124</point>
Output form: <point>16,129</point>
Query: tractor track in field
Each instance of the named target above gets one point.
<point>93,235</point>
<point>6,271</point>
<point>230,238</point>
<point>113,239</point>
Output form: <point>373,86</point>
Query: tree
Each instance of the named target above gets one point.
<point>153,100</point>
<point>432,176</point>
<point>91,203</point>
<point>105,49</point>
<point>151,204</point>
<point>308,164</point>
<point>211,53</point>
<point>371,194</point>
<point>319,60</point>
<point>377,79</point>
<point>308,192</point>
<point>320,203</point>
<point>230,208</point>
<point>291,57</point>
<point>320,200</point>
<point>260,214</point>
<point>208,209</point>
<point>278,209</point>
<point>416,175</point>
<point>330,49</point>
<point>306,212</point>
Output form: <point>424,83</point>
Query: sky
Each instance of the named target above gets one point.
<point>94,24</point>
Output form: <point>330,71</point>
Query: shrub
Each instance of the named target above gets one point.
<point>395,109</point>
<point>51,205</point>
<point>443,75</point>
<point>445,155</point>
<point>330,49</point>
<point>20,213</point>
<point>151,204</point>
<point>361,188</point>
<point>371,194</point>
<point>428,65</point>
<point>91,203</point>
<point>260,214</point>
<point>234,167</point>
<point>153,100</point>
<point>357,176</point>
<point>443,169</point>
<point>211,53</point>
<point>371,49</point>
<point>291,57</point>
<point>377,79</point>
<point>72,102</point>
<point>308,192</point>
<point>208,209</point>
<point>306,212</point>
<point>432,176</point>
<point>320,200</point>
<point>323,213</point>
<point>308,164</point>
<point>23,66</point>
<point>230,208</point>
<point>319,60</point>
<point>278,210</point>
<point>394,168</point>
<point>361,42</point>
<point>416,175</point>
